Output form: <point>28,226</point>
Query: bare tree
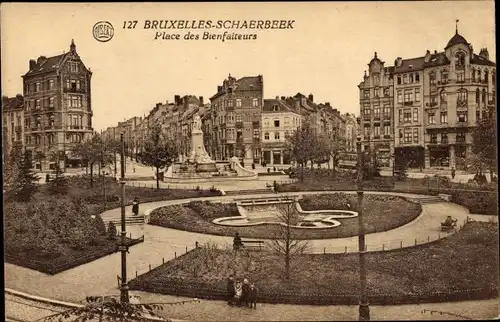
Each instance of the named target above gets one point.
<point>283,241</point>
<point>302,146</point>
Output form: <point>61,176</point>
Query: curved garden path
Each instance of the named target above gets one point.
<point>99,277</point>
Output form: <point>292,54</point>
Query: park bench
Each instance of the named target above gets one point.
<point>253,244</point>
<point>445,226</point>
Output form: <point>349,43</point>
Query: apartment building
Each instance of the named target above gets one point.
<point>437,101</point>
<point>376,93</point>
<point>12,122</point>
<point>236,114</point>
<point>58,110</point>
<point>279,119</point>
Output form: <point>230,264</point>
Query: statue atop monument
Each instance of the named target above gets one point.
<point>198,153</point>
<point>196,122</point>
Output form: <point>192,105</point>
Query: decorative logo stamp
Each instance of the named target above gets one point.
<point>103,31</point>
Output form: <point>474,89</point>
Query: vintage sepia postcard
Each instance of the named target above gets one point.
<point>250,161</point>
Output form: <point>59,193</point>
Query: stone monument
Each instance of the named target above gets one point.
<point>199,155</point>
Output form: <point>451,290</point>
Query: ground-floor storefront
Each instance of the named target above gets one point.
<point>381,153</point>
<point>447,156</point>
<point>409,157</point>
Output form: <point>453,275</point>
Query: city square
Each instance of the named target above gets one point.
<point>248,198</point>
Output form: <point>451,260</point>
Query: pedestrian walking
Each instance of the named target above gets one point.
<point>251,300</point>
<point>453,173</point>
<point>135,206</point>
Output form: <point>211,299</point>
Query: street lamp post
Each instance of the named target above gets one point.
<point>364,309</point>
<point>123,247</point>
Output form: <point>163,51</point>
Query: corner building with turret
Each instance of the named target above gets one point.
<point>434,102</point>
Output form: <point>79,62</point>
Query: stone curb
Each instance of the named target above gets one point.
<point>58,303</point>
<point>42,299</point>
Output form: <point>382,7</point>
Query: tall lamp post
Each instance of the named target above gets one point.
<point>123,247</point>
<point>364,309</point>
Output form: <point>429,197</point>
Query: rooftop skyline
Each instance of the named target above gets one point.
<point>325,54</point>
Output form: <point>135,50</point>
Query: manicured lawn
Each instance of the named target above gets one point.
<point>52,233</point>
<point>381,213</point>
<point>479,199</point>
<point>462,266</point>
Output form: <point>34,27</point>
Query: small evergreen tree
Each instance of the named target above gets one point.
<point>111,231</point>
<point>25,184</point>
<point>59,185</point>
<point>100,225</point>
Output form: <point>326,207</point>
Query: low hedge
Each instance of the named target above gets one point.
<point>61,264</point>
<point>478,202</point>
<point>463,266</point>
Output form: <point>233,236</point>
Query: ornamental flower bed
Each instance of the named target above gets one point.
<point>381,213</point>
<point>463,266</point>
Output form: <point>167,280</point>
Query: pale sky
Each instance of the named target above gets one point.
<point>325,54</point>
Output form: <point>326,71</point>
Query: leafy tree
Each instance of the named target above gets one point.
<point>301,146</point>
<point>333,146</point>
<point>94,151</point>
<point>484,144</point>
<point>159,152</point>
<point>25,184</point>
<point>283,242</point>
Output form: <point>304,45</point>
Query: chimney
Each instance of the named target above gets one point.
<point>219,89</point>
<point>5,99</point>
<point>311,97</point>
<point>158,105</point>
<point>32,63</point>
<point>398,62</point>
<point>177,99</point>
<point>277,97</point>
<point>427,56</point>
<point>201,100</point>
<point>435,52</point>
<point>282,98</point>
<point>484,53</point>
<point>41,60</point>
<point>327,104</point>
<point>19,96</point>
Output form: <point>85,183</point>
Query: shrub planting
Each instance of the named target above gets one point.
<point>463,266</point>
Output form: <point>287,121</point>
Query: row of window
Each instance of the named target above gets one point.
<point>377,92</point>
<point>410,95</point>
<point>459,138</point>
<point>409,78</point>
<point>406,116</point>
<point>376,110</point>
<point>462,116</point>
<point>40,86</point>
<point>462,96</point>
<point>409,135</point>
<point>231,103</point>
<point>386,130</point>
<point>236,117</point>
<point>51,139</point>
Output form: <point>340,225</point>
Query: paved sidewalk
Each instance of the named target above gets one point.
<point>162,244</point>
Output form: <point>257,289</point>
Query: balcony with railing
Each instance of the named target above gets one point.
<point>443,82</point>
<point>367,117</point>
<point>408,103</point>
<point>256,124</point>
<point>74,90</point>
<point>239,125</point>
<point>462,104</point>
